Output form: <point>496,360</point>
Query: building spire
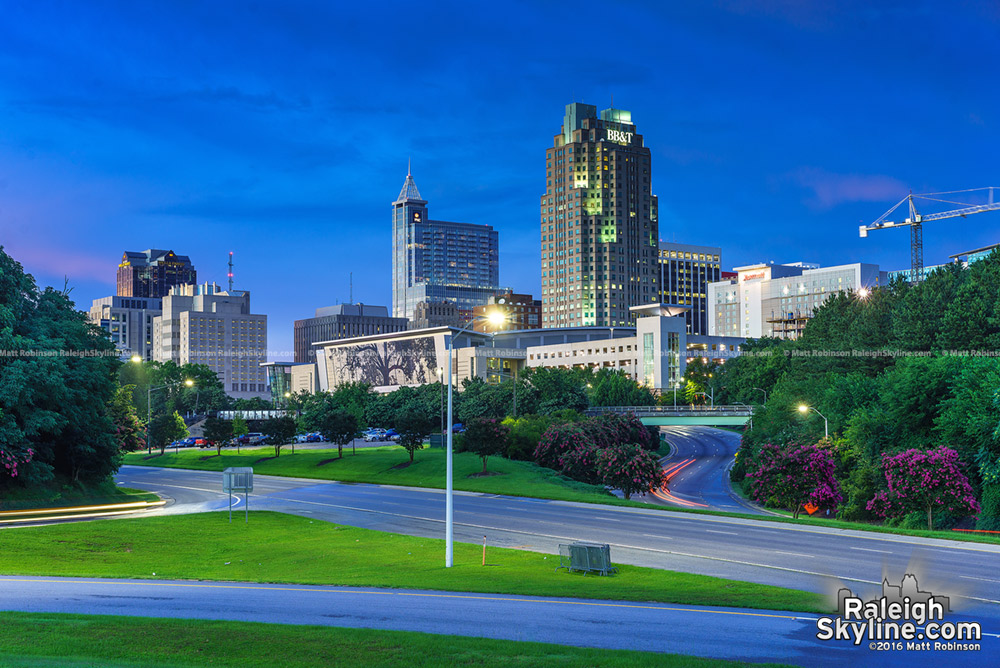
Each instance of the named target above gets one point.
<point>409,193</point>
<point>408,172</point>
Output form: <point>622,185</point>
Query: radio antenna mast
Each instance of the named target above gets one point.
<point>230,271</point>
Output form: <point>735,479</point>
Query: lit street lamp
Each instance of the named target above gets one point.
<point>149,401</point>
<point>826,424</point>
<point>496,318</point>
<point>760,390</point>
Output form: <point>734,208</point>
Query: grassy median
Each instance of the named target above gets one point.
<point>44,640</point>
<point>390,465</point>
<point>275,547</point>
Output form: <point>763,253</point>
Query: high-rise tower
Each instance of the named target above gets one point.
<point>599,221</point>
<point>439,261</point>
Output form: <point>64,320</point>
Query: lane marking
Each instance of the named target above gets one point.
<point>774,526</point>
<point>796,554</point>
<point>969,577</point>
<point>728,533</point>
<point>321,589</point>
<point>865,549</point>
<point>653,535</point>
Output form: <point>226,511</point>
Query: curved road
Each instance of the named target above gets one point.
<point>812,558</point>
<point>755,635</point>
<point>698,471</point>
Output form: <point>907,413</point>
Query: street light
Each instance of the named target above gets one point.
<point>149,406</point>
<point>440,372</point>
<point>711,396</point>
<point>495,318</point>
<point>826,424</point>
<point>760,390</point>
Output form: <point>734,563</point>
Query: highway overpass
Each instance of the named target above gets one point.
<point>662,416</point>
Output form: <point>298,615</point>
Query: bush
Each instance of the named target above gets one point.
<point>580,463</point>
<point>558,440</point>
<point>629,468</point>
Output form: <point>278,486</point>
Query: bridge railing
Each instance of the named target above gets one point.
<point>673,411</point>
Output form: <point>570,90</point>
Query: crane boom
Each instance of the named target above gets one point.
<point>915,221</point>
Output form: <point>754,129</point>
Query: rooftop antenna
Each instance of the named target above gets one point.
<point>230,271</point>
<point>408,172</point>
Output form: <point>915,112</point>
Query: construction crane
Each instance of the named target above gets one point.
<point>916,221</point>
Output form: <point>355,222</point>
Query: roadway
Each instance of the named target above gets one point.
<point>698,471</point>
<point>754,635</point>
<point>811,558</point>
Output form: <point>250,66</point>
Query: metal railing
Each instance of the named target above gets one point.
<point>673,411</point>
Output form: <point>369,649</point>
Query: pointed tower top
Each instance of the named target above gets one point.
<point>409,193</point>
<point>408,171</point>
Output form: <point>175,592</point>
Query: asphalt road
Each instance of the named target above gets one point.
<point>802,557</point>
<point>758,635</point>
<point>698,471</point>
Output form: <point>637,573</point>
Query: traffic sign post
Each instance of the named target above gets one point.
<point>238,479</point>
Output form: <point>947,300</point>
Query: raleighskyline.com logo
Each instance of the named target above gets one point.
<point>903,618</point>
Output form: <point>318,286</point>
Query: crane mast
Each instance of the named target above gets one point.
<point>916,221</point>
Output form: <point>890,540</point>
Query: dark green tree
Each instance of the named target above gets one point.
<point>339,426</point>
<point>279,431</point>
<point>218,432</point>
<point>167,428</point>
<point>130,432</point>
<point>614,387</point>
<point>413,428</point>
<point>485,438</point>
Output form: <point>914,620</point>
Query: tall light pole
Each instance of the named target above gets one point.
<point>496,318</point>
<point>440,373</point>
<point>149,406</point>
<point>761,390</point>
<point>826,424</point>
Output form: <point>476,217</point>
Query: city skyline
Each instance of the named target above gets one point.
<point>280,134</point>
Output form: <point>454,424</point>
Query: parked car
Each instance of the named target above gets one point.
<point>302,438</point>
<point>201,442</point>
<point>458,428</point>
<point>314,437</point>
<point>374,435</point>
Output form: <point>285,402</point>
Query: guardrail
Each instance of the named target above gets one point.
<point>674,411</point>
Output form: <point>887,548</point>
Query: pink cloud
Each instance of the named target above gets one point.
<point>829,190</point>
<point>49,264</point>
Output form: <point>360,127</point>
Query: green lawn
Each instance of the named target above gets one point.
<point>377,466</point>
<point>285,548</point>
<point>45,640</point>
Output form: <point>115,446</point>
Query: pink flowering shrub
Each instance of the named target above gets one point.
<point>11,460</point>
<point>558,440</point>
<point>580,463</point>
<point>793,476</point>
<point>629,468</point>
<point>924,480</point>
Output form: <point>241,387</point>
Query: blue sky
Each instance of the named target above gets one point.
<point>281,130</point>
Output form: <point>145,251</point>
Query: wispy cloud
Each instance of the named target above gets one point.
<point>829,189</point>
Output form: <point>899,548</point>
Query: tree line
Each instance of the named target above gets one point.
<point>904,376</point>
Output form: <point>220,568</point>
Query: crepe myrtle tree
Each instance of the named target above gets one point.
<point>413,428</point>
<point>279,431</point>
<point>792,477</point>
<point>629,468</point>
<point>924,480</point>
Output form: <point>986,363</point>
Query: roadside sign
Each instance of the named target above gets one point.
<point>238,479</point>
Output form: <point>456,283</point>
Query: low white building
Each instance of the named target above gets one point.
<point>779,299</point>
<point>654,352</point>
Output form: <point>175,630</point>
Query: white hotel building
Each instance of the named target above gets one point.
<point>779,299</point>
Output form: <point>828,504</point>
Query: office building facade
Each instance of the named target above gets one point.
<point>435,260</point>
<point>342,321</point>
<point>152,273</point>
<point>599,230</point>
<point>128,322</point>
<point>685,274</point>
<point>779,299</point>
<point>203,324</point>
